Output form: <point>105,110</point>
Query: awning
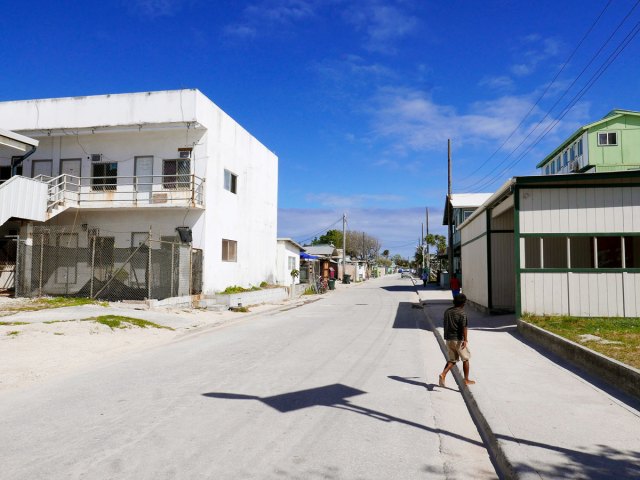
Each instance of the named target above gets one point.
<point>306,256</point>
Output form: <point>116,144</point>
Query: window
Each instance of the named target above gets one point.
<point>553,168</point>
<point>558,163</point>
<point>467,214</point>
<point>609,252</point>
<point>176,173</point>
<point>292,263</point>
<point>229,250</point>
<point>581,252</point>
<point>579,147</point>
<point>555,252</point>
<point>607,138</point>
<point>104,176</point>
<point>632,252</point>
<point>546,170</point>
<point>565,157</point>
<point>572,152</point>
<point>532,252</point>
<point>230,182</point>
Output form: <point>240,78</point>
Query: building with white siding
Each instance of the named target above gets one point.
<point>557,245</point>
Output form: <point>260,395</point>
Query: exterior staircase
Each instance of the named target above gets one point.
<point>23,198</point>
<point>37,199</point>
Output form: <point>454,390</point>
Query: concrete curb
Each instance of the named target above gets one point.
<point>504,468</point>
<point>617,374</point>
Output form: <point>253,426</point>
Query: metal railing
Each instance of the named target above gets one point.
<point>102,192</point>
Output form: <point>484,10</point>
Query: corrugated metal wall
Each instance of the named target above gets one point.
<point>474,260</point>
<point>23,198</point>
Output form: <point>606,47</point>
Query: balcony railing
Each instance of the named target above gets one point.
<point>179,190</point>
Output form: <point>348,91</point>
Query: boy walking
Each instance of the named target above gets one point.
<point>455,336</point>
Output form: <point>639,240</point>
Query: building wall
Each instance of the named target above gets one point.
<point>283,273</point>
<point>626,153</point>
<point>608,211</point>
<point>157,123</point>
<point>248,217</point>
<point>474,260</point>
<point>580,210</point>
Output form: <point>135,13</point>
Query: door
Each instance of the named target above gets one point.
<point>71,166</point>
<point>144,174</point>
<point>41,167</point>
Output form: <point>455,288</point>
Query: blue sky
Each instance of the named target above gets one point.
<point>357,98</point>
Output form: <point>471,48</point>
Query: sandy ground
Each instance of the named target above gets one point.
<point>36,351</point>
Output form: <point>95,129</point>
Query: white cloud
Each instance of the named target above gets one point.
<point>412,121</point>
<point>350,201</point>
<point>264,15</point>
<point>531,52</point>
<point>382,23</point>
<point>501,82</point>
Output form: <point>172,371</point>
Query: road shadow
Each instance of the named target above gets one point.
<point>332,396</point>
<point>399,288</point>
<point>409,316</point>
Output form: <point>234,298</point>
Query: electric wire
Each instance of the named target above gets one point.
<point>483,182</point>
<point>546,90</point>
<point>594,78</point>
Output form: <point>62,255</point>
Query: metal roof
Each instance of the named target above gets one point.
<point>326,250</point>
<point>464,200</point>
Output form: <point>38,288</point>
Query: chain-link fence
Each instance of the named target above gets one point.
<point>96,264</point>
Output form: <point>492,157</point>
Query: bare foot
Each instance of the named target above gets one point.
<point>469,382</point>
<point>441,380</point>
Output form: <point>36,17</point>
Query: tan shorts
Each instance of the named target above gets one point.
<point>455,353</point>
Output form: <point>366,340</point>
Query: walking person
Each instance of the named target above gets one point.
<point>454,284</point>
<point>455,336</point>
<point>425,278</point>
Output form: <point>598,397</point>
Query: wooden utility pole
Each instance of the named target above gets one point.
<point>428,255</point>
<point>450,212</point>
<point>344,245</point>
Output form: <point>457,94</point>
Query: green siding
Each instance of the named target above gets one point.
<point>623,156</point>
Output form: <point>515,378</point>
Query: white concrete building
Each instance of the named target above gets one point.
<point>557,245</point>
<point>288,259</point>
<point>130,163</point>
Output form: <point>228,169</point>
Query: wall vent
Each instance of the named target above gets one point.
<point>96,157</point>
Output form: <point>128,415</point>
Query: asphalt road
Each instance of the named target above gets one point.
<point>343,388</point>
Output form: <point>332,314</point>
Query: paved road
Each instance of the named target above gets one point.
<point>339,389</point>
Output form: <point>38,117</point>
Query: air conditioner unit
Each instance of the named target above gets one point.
<point>96,157</point>
<point>574,166</point>
<point>184,152</point>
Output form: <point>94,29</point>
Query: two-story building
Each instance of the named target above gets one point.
<point>117,168</point>
<point>608,145</point>
<point>461,206</point>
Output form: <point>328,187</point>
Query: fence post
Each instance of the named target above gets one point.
<point>16,274</point>
<point>93,263</point>
<point>190,270</point>
<point>41,262</point>
<point>149,276</point>
<point>173,268</point>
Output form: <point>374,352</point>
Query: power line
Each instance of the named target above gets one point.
<point>324,230</point>
<point>549,85</point>
<point>594,78</point>
<point>483,182</point>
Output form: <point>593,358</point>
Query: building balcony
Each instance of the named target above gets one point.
<point>153,191</point>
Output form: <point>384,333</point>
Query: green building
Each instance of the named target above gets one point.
<point>610,144</point>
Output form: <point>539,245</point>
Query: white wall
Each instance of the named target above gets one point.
<point>580,210</point>
<point>581,294</point>
<point>474,260</point>
<point>158,123</point>
<point>286,251</point>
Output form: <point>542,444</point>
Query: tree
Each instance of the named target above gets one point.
<point>333,237</point>
<point>385,253</point>
<point>438,241</point>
